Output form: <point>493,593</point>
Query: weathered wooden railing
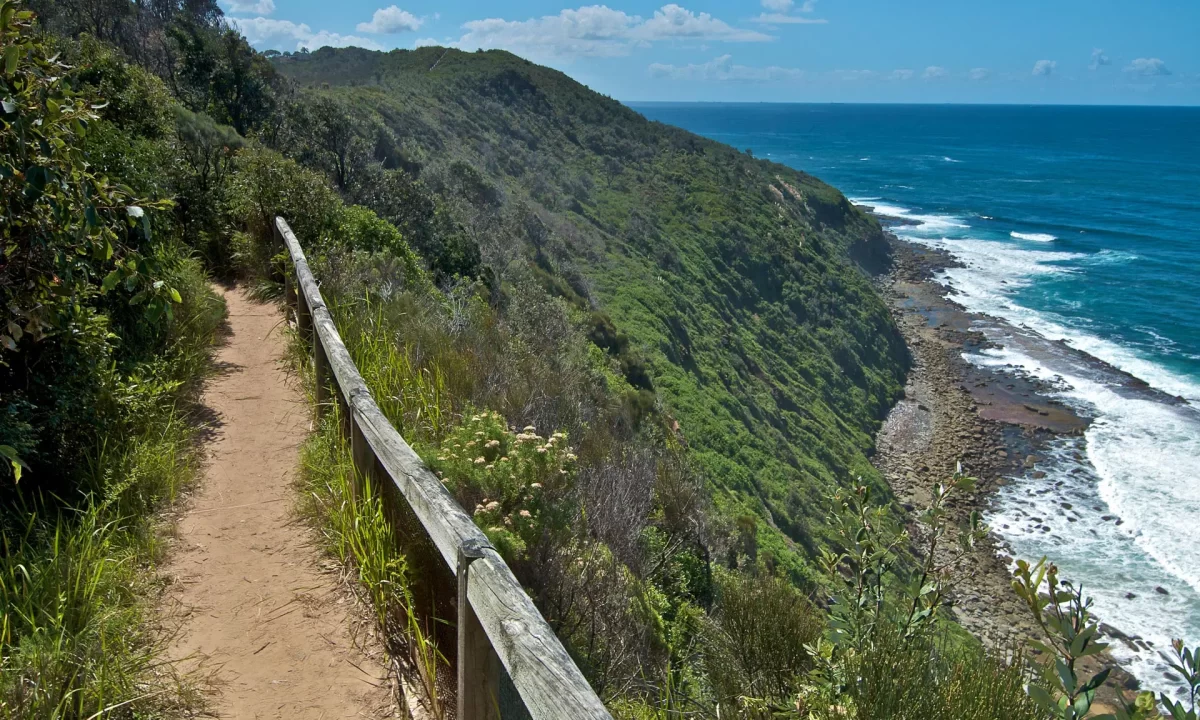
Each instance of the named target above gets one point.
<point>503,641</point>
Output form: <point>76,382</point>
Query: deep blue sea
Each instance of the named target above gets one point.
<point>1080,224</point>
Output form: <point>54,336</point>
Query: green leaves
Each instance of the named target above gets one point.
<point>18,465</point>
<point>1064,614</point>
<point>12,54</point>
<point>111,280</point>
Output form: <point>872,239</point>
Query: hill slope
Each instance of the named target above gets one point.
<point>742,283</point>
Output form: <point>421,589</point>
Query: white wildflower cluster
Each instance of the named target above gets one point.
<point>511,477</point>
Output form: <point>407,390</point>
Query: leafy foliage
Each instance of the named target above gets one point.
<point>1064,614</point>
<point>69,234</point>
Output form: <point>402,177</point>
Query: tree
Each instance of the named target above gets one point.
<point>241,83</point>
<point>335,135</point>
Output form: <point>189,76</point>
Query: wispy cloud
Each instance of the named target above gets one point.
<point>935,72</point>
<point>853,75</point>
<point>1148,67</point>
<point>391,20</point>
<point>1044,68</point>
<point>598,31</point>
<point>723,69</point>
<point>979,74</point>
<point>903,74</point>
<point>1099,59</point>
<point>286,35</point>
<point>250,7</point>
<point>785,12</point>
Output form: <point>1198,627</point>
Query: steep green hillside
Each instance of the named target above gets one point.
<point>741,283</point>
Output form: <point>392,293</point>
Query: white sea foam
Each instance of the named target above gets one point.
<point>1034,237</point>
<point>1111,257</point>
<point>1135,466</point>
<point>927,225</point>
<point>1122,520</point>
<point>946,158</point>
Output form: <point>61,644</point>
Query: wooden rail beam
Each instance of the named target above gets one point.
<point>499,628</point>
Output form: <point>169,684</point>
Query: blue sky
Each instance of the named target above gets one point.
<point>1011,51</point>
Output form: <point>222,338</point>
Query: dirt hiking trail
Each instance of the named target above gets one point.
<point>258,614</point>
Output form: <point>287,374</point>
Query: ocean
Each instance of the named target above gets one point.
<point>1080,224</point>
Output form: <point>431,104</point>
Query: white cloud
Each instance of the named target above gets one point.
<point>390,20</point>
<point>723,69</point>
<point>935,72</point>
<point>673,21</point>
<point>1044,68</point>
<point>598,31</point>
<point>251,7</point>
<point>1148,67</point>
<point>979,74</point>
<point>901,75</point>
<point>589,31</point>
<point>781,13</point>
<point>287,35</point>
<point>1099,58</point>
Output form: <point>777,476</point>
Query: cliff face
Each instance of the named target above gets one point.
<point>742,283</point>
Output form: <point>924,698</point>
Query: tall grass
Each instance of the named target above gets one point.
<point>347,510</point>
<point>79,638</point>
<point>413,397</point>
<point>76,627</point>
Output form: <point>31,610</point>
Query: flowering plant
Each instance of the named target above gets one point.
<point>513,479</point>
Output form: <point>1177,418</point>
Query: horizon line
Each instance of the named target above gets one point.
<point>911,104</point>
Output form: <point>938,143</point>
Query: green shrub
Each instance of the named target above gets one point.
<point>68,234</point>
<point>360,229</point>
<point>137,101</point>
<point>76,580</point>
<point>87,288</point>
<point>205,153</point>
<point>919,678</point>
<point>756,644</point>
<point>267,185</point>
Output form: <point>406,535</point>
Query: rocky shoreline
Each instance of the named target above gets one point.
<point>996,423</point>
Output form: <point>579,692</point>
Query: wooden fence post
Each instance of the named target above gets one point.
<point>291,295</point>
<point>320,376</point>
<point>304,321</point>
<point>478,664</point>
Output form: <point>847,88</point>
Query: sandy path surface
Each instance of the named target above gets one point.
<point>258,613</point>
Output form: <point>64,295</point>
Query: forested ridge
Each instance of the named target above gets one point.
<point>650,365</point>
<point>741,284</point>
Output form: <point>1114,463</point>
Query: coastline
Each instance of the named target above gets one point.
<point>996,422</point>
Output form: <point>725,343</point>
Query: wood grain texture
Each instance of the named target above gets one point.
<point>548,681</point>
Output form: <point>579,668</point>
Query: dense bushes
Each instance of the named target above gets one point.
<point>107,328</point>
<point>80,265</point>
<point>614,537</point>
